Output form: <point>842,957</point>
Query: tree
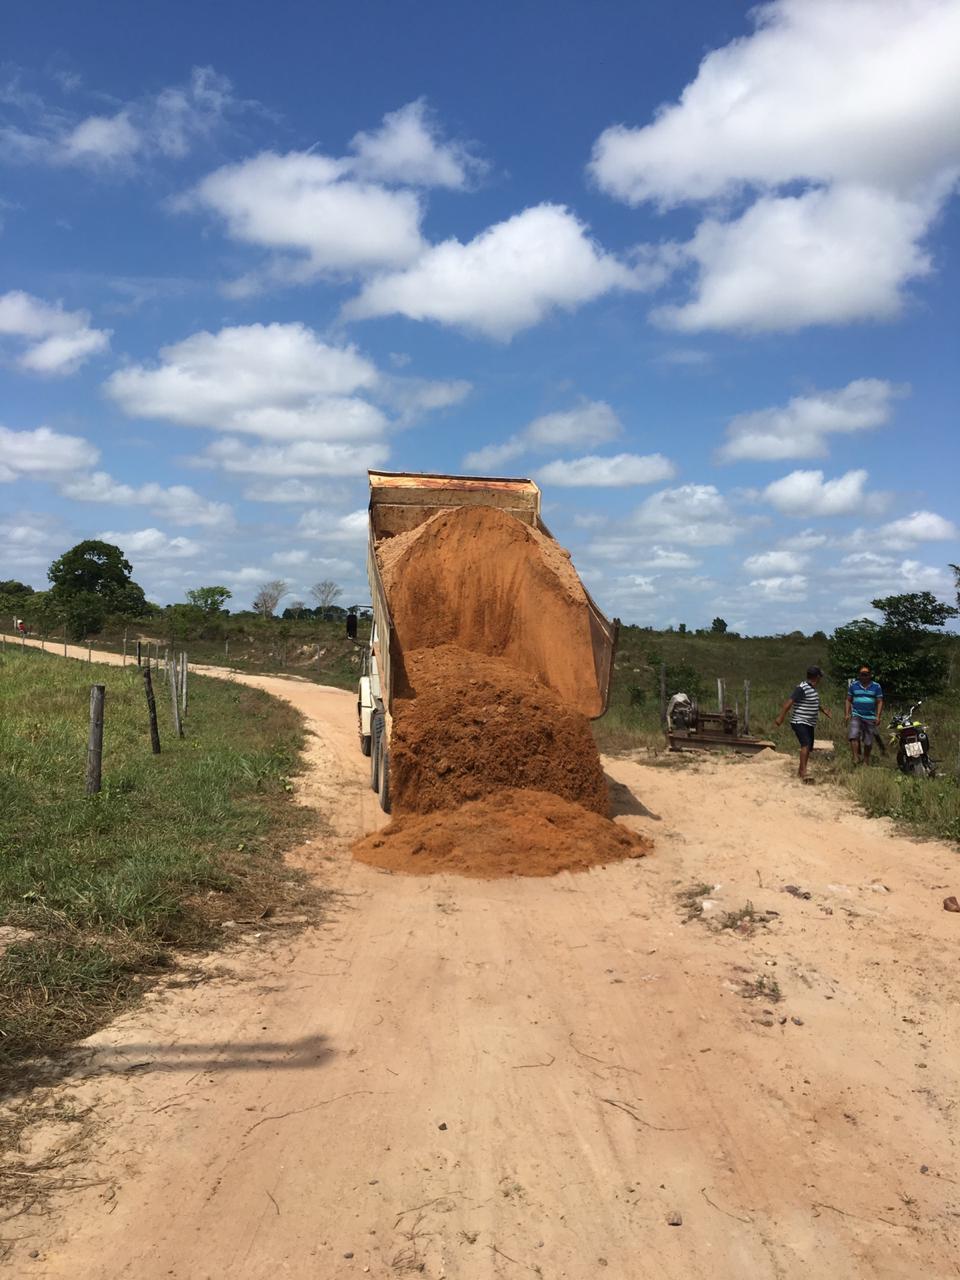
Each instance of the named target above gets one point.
<point>914,611</point>
<point>210,599</point>
<point>325,593</point>
<point>904,650</point>
<point>11,587</point>
<point>682,629</point>
<point>296,610</point>
<point>718,626</point>
<point>90,581</point>
<point>956,574</point>
<point>269,594</point>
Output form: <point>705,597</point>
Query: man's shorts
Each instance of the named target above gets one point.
<point>804,734</point>
<point>862,730</point>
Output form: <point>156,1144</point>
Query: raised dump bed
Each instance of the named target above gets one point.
<point>467,561</point>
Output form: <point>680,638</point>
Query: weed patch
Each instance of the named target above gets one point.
<point>762,988</point>
<point>691,900</point>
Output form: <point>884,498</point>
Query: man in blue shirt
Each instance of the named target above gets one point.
<point>863,710</point>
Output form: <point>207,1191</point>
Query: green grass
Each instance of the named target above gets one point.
<point>171,847</point>
<point>773,665</point>
<point>265,647</point>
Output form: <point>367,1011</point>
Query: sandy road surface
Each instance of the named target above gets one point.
<point>468,1079</point>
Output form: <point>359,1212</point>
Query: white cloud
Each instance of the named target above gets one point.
<point>411,397</point>
<point>907,532</point>
<point>152,544</point>
<point>668,558</point>
<point>769,563</point>
<point>590,422</point>
<point>275,380</point>
<point>491,456</point>
<point>618,470</point>
<point>692,514</point>
<point>825,90</point>
<point>307,204</point>
<point>873,572</point>
<point>509,277</point>
<point>177,503</point>
<point>828,256</point>
<point>42,454</point>
<point>105,139</point>
<point>800,428</point>
<point>55,341</point>
<point>806,493</point>
<point>351,528</point>
<point>805,540</point>
<point>310,401</point>
<point>792,587</point>
<point>407,149</point>
<point>167,123</point>
<point>291,491</point>
<point>856,102</point>
<point>299,458</point>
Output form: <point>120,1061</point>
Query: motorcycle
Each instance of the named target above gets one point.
<point>909,735</point>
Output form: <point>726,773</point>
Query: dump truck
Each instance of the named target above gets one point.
<point>399,503</point>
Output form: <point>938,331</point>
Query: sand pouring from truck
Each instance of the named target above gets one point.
<point>468,561</point>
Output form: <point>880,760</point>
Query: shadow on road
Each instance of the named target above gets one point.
<point>623,801</point>
<point>305,1054</point>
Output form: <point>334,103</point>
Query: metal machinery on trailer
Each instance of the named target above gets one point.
<point>399,501</point>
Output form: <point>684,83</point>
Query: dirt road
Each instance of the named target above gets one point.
<point>465,1079</point>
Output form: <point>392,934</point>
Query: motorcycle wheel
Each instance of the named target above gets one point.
<point>920,769</point>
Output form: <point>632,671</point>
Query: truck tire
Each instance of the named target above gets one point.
<point>383,788</point>
<point>376,731</point>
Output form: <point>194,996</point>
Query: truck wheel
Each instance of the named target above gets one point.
<point>376,730</point>
<point>383,789</point>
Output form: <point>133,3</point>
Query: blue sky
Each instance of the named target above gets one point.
<point>693,267</point>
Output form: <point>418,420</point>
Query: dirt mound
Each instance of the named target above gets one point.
<point>472,725</point>
<point>512,833</point>
<point>480,578</point>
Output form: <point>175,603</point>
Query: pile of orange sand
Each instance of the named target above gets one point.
<point>470,726</point>
<point>483,580</point>
<point>512,833</point>
<point>493,768</point>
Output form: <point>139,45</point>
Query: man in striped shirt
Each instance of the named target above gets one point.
<point>804,707</point>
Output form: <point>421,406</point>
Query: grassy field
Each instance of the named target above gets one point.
<point>773,665</point>
<point>104,887</point>
<point>315,649</point>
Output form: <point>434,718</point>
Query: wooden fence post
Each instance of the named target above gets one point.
<point>663,694</point>
<point>175,701</point>
<point>746,707</point>
<point>139,655</point>
<point>64,641</point>
<point>124,648</point>
<point>226,648</point>
<point>720,694</point>
<point>184,668</point>
<point>95,740</point>
<point>151,709</point>
<point>89,651</point>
